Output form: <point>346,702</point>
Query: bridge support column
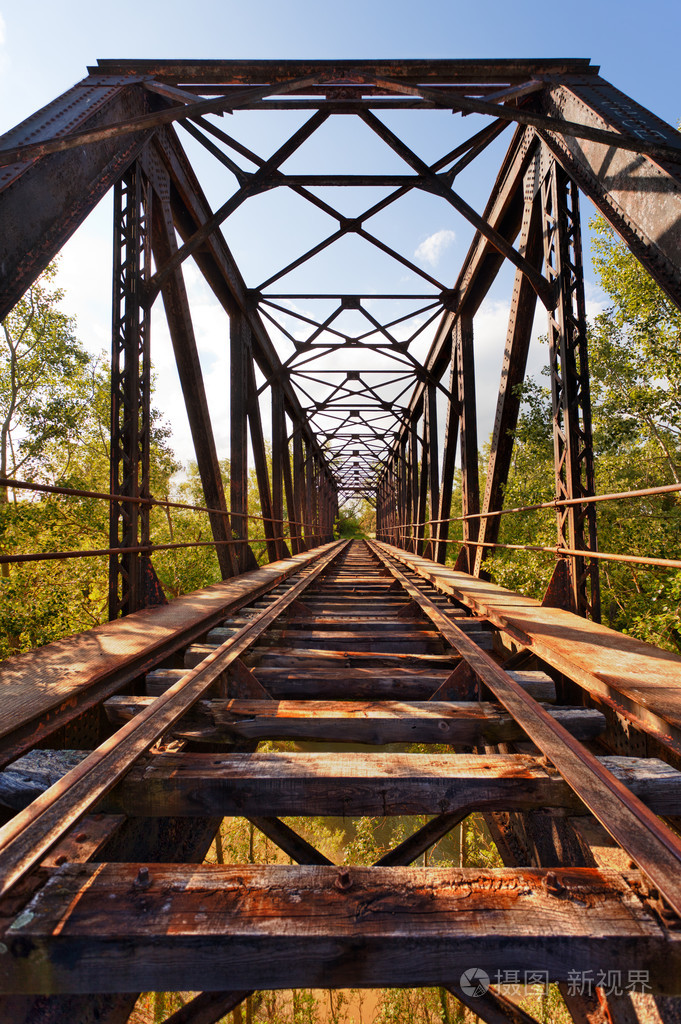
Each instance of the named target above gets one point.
<point>571,402</point>
<point>130,392</point>
<point>468,429</point>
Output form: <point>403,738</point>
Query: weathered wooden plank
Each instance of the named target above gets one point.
<point>282,784</point>
<point>328,642</point>
<point>389,624</point>
<point>352,684</point>
<point>290,655</point>
<point>108,927</point>
<point>85,841</point>
<point>374,722</point>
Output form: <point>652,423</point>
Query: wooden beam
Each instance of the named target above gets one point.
<point>366,784</point>
<point>281,927</point>
<point>649,842</point>
<point>47,688</point>
<point>469,723</point>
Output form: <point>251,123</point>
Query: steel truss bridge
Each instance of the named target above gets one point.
<point>124,747</point>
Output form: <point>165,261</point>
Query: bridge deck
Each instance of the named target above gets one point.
<point>350,645</point>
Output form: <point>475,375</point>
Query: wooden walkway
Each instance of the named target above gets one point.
<point>560,731</point>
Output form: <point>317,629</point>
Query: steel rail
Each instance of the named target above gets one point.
<point>32,832</point>
<point>647,840</point>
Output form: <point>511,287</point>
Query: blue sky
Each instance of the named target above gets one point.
<point>45,48</point>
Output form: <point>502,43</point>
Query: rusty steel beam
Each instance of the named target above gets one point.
<point>247,72</point>
<point>503,211</point>
<point>523,305</point>
<point>639,195</point>
<point>191,209</point>
<point>183,339</point>
<point>279,457</point>
<point>43,202</point>
<point>570,391</point>
<point>130,391</point>
<point>468,431</point>
<point>454,410</point>
<point>272,529</point>
<point>239,358</point>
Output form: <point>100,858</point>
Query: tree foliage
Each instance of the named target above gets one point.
<point>39,354</point>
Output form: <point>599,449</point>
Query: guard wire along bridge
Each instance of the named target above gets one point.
<point>124,747</point>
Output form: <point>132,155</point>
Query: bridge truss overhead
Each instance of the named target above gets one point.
<point>368,379</point>
<point>356,354</point>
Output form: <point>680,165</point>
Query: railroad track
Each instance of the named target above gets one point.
<point>350,644</point>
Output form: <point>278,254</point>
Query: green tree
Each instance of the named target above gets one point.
<point>54,428</point>
<point>635,347</point>
<point>39,354</point>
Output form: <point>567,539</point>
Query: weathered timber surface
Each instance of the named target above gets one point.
<point>357,684</point>
<point>643,679</point>
<point>365,784</point>
<point>355,721</point>
<point>399,640</point>
<point>276,927</point>
<point>278,657</point>
<point>44,680</point>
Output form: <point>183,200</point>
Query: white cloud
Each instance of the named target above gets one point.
<point>431,249</point>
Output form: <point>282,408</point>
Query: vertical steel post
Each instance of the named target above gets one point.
<point>240,353</point>
<point>130,390</point>
<point>422,484</point>
<point>178,315</point>
<point>571,401</point>
<point>260,461</point>
<point>279,456</point>
<point>518,335</point>
<point>448,458</point>
<point>433,466</point>
<point>403,499</point>
<point>470,486</point>
<point>414,473</point>
<point>299,486</point>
